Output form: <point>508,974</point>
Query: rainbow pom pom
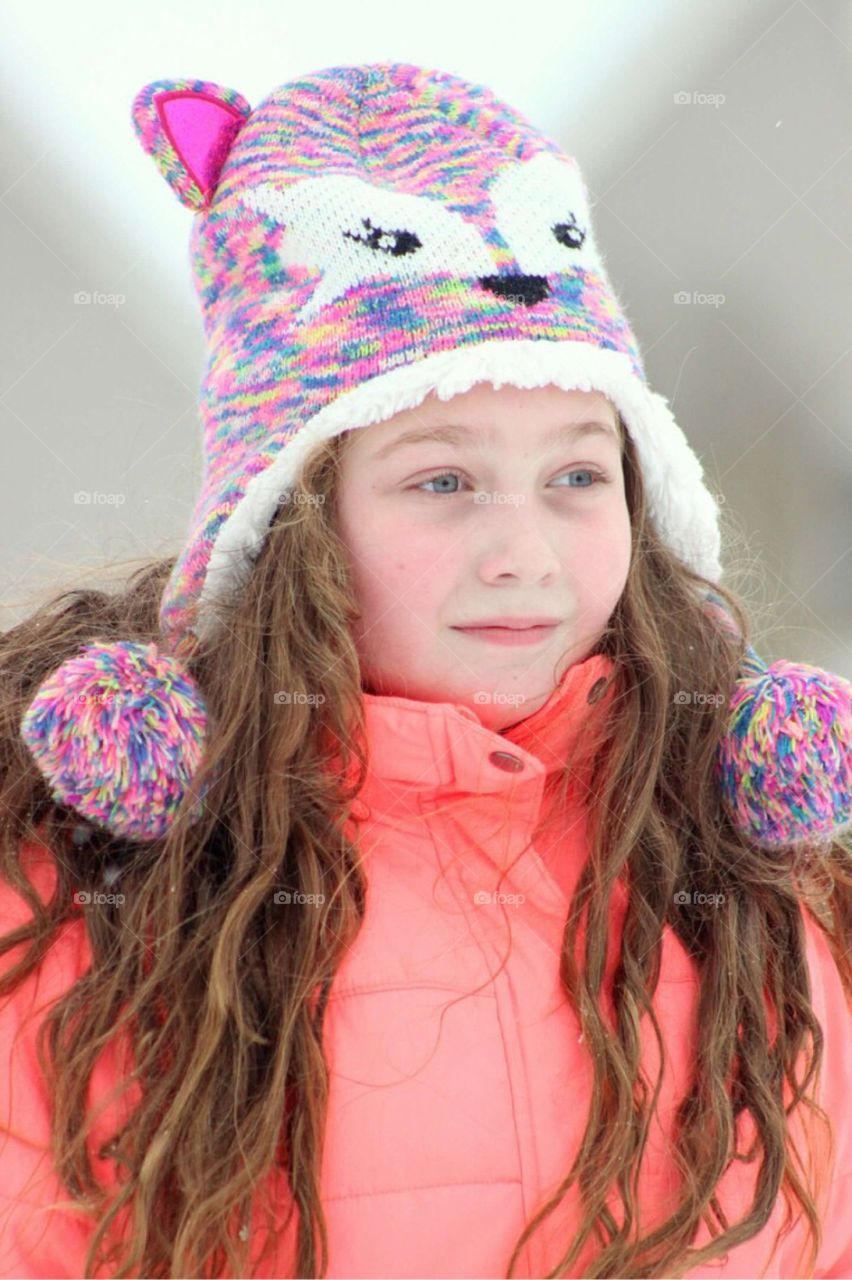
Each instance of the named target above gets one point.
<point>785,766</point>
<point>118,731</point>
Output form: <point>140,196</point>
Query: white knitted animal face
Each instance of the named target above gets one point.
<point>351,231</point>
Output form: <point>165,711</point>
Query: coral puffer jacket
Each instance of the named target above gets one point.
<point>459,1077</point>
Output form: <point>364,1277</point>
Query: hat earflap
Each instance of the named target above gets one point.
<point>119,731</point>
<point>785,764</point>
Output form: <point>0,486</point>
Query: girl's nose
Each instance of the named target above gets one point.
<point>522,552</point>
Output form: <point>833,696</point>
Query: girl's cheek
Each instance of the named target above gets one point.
<point>408,534</point>
<point>604,561</point>
<point>603,551</point>
<point>416,563</point>
<point>403,559</point>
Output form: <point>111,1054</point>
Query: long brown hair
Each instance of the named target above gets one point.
<point>222,998</point>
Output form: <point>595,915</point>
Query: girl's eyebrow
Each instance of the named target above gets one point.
<point>448,433</point>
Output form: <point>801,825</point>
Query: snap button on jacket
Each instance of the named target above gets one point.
<point>459,1080</point>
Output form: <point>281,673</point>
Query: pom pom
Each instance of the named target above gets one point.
<point>118,731</point>
<point>785,765</point>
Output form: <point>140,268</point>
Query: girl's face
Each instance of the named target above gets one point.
<point>507,519</point>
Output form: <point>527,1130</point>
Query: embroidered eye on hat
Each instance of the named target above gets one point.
<point>365,236</point>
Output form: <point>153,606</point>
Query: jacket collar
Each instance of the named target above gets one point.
<point>444,746</point>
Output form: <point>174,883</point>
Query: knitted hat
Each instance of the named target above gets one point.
<point>365,236</point>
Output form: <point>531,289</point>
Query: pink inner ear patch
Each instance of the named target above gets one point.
<point>201,129</point>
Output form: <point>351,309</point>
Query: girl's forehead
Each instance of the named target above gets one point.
<point>485,403</point>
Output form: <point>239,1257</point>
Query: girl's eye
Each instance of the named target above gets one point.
<point>597,477</point>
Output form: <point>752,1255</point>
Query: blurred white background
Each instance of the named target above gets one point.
<point>716,141</point>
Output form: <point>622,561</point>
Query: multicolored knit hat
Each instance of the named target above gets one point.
<point>365,236</point>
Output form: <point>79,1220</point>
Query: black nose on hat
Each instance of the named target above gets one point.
<point>517,288</point>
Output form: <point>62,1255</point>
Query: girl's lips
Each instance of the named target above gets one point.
<point>508,635</point>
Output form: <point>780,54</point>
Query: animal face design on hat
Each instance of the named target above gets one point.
<point>316,283</point>
<point>529,226</point>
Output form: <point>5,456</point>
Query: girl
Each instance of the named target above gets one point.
<point>420,874</point>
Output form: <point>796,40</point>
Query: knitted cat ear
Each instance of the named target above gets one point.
<point>785,764</point>
<point>189,126</point>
